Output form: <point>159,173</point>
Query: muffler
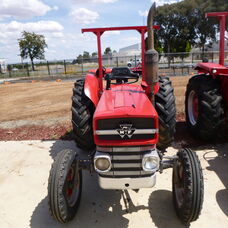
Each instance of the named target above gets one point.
<point>151,55</point>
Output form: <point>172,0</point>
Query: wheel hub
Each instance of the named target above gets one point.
<point>72,186</point>
<point>193,104</point>
<point>179,184</point>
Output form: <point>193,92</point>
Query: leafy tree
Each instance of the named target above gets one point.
<point>86,55</point>
<point>108,51</point>
<point>32,45</point>
<point>94,54</point>
<point>183,24</point>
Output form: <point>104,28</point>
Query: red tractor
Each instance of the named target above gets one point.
<point>123,131</point>
<point>206,99</point>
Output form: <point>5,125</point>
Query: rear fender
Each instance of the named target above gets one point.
<point>91,88</point>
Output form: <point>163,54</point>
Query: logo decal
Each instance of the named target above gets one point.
<point>126,130</point>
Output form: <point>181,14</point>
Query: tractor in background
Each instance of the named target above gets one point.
<point>206,98</point>
<point>123,131</point>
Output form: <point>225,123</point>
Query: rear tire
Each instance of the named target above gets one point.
<point>188,188</point>
<point>204,108</point>
<point>64,187</point>
<point>82,117</point>
<point>166,109</point>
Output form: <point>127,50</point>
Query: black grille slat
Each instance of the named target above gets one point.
<point>126,169</point>
<point>138,123</point>
<point>126,161</point>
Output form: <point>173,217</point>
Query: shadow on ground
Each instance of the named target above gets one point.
<point>99,208</point>
<point>218,163</point>
<point>162,210</point>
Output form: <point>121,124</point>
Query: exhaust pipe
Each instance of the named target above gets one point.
<point>151,55</point>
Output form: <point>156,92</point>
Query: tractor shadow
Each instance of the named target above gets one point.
<point>216,156</point>
<point>98,208</point>
<point>218,163</point>
<point>162,210</point>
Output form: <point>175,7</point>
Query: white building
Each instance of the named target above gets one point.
<point>131,50</point>
<point>3,65</point>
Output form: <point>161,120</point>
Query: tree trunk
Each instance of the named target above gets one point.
<point>33,68</point>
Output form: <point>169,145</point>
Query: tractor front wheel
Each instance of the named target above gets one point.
<point>64,187</point>
<point>187,186</point>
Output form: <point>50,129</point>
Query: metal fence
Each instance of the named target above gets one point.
<point>172,64</point>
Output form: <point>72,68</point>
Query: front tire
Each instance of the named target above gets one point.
<point>188,188</point>
<point>64,187</point>
<point>166,109</point>
<point>204,108</point>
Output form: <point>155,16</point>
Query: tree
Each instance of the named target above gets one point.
<point>86,55</point>
<point>183,24</point>
<point>94,54</point>
<point>108,51</point>
<point>32,45</point>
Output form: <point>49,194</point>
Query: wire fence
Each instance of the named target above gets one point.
<point>172,64</point>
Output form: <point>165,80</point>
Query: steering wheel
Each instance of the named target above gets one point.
<point>103,71</point>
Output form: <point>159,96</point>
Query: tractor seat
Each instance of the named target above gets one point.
<point>121,75</point>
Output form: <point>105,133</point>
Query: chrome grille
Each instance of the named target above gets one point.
<point>126,162</point>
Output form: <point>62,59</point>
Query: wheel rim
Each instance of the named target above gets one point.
<point>179,184</point>
<point>193,107</point>
<point>72,186</point>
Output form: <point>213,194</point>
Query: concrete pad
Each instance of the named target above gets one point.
<point>24,171</point>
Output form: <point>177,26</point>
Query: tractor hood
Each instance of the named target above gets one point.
<point>127,107</point>
<point>124,101</point>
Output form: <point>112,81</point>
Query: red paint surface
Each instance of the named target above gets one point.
<point>120,102</point>
<point>91,88</point>
<point>222,19</point>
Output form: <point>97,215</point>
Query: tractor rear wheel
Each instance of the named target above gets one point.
<point>188,188</point>
<point>82,117</point>
<point>204,108</point>
<point>64,186</point>
<point>166,109</point>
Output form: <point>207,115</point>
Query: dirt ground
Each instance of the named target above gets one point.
<point>48,103</point>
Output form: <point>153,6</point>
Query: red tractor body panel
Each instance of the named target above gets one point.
<point>213,69</point>
<point>91,88</point>
<point>120,104</point>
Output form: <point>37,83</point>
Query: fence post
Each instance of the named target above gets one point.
<point>27,68</point>
<point>48,68</point>
<point>64,65</point>
<point>117,64</point>
<point>82,65</point>
<point>9,70</point>
<point>135,61</point>
<point>212,57</point>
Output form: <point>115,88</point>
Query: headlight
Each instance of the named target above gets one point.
<point>150,161</point>
<point>102,162</point>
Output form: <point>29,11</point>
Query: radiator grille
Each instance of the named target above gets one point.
<point>126,162</point>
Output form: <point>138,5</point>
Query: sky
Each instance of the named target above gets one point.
<point>61,23</point>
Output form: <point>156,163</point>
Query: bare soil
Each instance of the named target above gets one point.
<point>41,110</point>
